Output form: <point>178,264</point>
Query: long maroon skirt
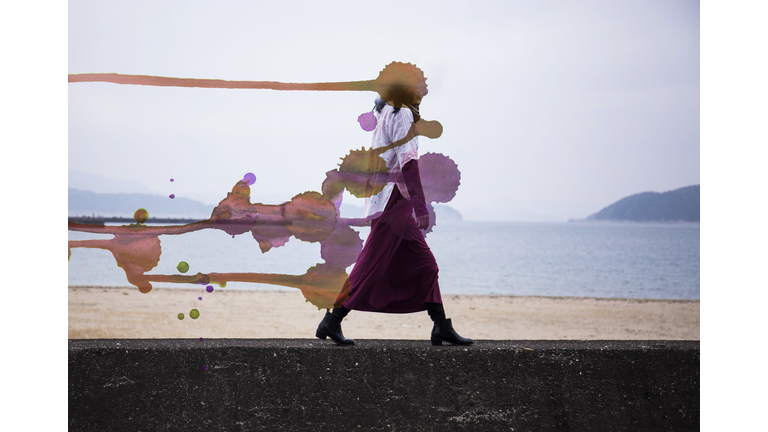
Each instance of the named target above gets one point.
<point>395,272</point>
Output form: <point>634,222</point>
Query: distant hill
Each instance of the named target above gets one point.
<point>95,183</point>
<point>351,210</point>
<point>446,213</point>
<point>678,205</point>
<point>86,203</point>
<point>125,204</point>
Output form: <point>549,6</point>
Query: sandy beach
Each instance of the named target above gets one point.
<point>108,312</point>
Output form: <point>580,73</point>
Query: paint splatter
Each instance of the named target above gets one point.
<point>181,316</point>
<point>249,178</point>
<point>171,196</point>
<point>205,368</point>
<point>367,121</point>
<point>199,298</point>
<point>310,216</point>
<point>171,180</point>
<point>392,77</point>
<point>141,216</point>
<point>194,314</point>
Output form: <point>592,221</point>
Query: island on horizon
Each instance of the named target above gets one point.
<point>679,205</point>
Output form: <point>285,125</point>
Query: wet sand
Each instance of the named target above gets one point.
<point>109,312</point>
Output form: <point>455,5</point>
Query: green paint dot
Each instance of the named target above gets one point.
<point>194,314</point>
<point>181,316</point>
<point>183,267</point>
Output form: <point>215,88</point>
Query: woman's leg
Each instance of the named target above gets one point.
<point>442,330</point>
<point>330,326</point>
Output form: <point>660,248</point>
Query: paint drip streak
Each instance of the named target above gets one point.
<point>293,281</point>
<point>149,80</point>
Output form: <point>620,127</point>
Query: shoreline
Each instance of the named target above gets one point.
<point>629,299</point>
<point>100,312</point>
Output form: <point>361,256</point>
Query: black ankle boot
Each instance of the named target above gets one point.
<point>443,331</point>
<point>330,326</point>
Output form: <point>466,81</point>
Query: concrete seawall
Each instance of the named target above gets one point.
<point>383,385</point>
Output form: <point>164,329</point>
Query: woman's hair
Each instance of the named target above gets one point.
<point>400,83</point>
<point>379,104</point>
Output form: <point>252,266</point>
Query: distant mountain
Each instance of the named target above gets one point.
<point>446,213</point>
<point>125,204</point>
<point>678,205</point>
<point>351,211</point>
<point>86,203</point>
<point>95,183</point>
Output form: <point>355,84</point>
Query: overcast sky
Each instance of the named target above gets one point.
<point>551,109</point>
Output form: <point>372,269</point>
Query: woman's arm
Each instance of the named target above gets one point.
<point>413,183</point>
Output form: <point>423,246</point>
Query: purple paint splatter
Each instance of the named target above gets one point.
<point>199,298</point>
<point>367,121</point>
<point>171,196</point>
<point>249,178</point>
<point>209,288</point>
<point>171,179</point>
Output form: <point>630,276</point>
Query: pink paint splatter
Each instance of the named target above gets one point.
<point>367,121</point>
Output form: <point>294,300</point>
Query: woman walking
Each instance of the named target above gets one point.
<point>396,272</point>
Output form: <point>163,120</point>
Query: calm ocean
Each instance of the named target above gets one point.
<point>609,260</point>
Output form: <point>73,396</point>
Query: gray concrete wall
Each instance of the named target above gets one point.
<point>382,385</point>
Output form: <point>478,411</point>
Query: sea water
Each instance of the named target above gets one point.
<point>614,260</point>
<point>608,260</point>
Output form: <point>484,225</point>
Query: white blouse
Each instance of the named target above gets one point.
<point>390,127</point>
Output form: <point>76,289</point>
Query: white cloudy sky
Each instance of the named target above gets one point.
<point>551,109</point>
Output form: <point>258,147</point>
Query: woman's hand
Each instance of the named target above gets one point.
<point>422,222</point>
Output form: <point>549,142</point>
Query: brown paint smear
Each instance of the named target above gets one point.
<point>309,216</point>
